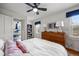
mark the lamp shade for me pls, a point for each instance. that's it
(58, 24)
(61, 23)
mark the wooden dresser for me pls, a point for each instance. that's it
(58, 37)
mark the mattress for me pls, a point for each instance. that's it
(40, 47)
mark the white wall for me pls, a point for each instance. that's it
(1, 27)
(12, 14)
(6, 27)
(24, 29)
(59, 16)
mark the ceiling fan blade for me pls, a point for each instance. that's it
(29, 5)
(38, 4)
(29, 10)
(35, 5)
(43, 9)
(37, 13)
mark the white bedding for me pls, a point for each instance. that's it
(40, 47)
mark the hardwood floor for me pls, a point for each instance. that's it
(72, 52)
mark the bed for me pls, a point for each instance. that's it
(40, 47)
(31, 47)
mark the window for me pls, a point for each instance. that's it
(74, 21)
(75, 25)
(37, 27)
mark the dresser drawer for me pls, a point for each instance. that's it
(54, 37)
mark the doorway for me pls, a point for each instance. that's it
(37, 29)
(16, 29)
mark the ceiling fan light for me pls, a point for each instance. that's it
(35, 9)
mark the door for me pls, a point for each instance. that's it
(2, 26)
(17, 30)
(8, 27)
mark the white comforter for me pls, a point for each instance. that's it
(40, 47)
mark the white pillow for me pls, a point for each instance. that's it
(1, 53)
(1, 44)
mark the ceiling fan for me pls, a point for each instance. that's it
(35, 7)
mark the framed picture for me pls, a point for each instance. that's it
(52, 25)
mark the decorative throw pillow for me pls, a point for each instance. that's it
(21, 46)
(11, 49)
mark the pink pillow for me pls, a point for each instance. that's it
(21, 46)
(11, 49)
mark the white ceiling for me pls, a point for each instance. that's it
(21, 8)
